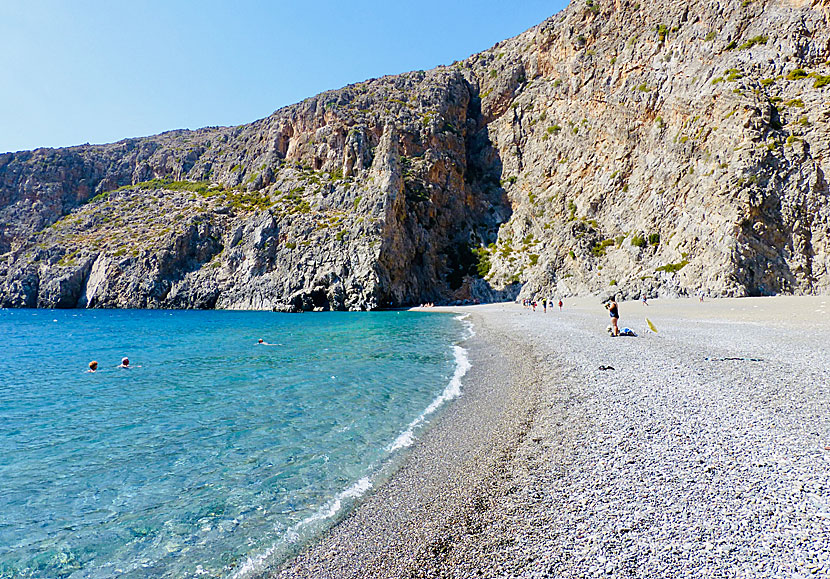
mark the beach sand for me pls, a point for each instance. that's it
(704, 452)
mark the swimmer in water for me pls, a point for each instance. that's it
(93, 366)
(125, 363)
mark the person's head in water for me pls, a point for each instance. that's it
(125, 363)
(93, 366)
(260, 341)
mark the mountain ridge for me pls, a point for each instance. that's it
(617, 147)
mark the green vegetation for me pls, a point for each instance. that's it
(248, 201)
(760, 39)
(733, 74)
(662, 31)
(482, 261)
(821, 80)
(100, 197)
(673, 267)
(711, 36)
(68, 259)
(643, 88)
(534, 259)
(732, 45)
(200, 187)
(654, 239)
(795, 103)
(797, 74)
(571, 211)
(717, 80)
(599, 249)
(292, 202)
(571, 254)
(554, 129)
(638, 241)
(238, 199)
(767, 81)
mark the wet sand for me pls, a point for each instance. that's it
(705, 451)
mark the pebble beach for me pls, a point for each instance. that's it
(701, 450)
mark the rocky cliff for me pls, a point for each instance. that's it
(657, 148)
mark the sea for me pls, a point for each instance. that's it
(213, 455)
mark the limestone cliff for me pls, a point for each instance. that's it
(661, 148)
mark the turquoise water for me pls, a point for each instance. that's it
(213, 456)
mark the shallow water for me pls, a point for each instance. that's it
(213, 455)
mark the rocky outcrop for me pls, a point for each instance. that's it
(657, 148)
(360, 198)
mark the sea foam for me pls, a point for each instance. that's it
(453, 390)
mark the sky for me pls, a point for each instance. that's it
(95, 71)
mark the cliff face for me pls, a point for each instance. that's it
(655, 147)
(670, 148)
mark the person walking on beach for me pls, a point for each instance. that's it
(560, 305)
(614, 311)
(544, 305)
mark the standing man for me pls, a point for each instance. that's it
(614, 311)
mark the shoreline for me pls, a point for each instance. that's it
(547, 465)
(443, 483)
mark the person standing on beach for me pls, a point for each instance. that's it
(614, 311)
(560, 305)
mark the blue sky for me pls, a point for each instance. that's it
(98, 71)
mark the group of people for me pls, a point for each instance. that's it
(125, 364)
(528, 303)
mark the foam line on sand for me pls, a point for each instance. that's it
(704, 452)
